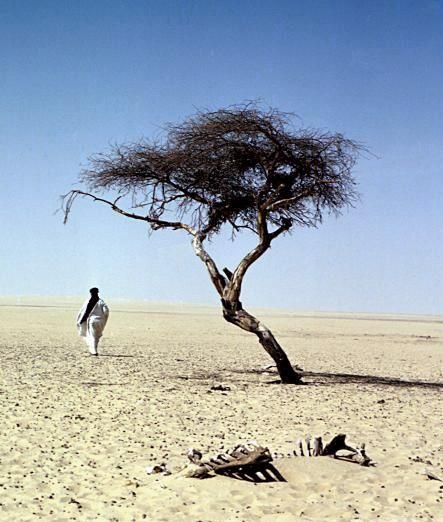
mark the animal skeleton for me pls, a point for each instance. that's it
(250, 458)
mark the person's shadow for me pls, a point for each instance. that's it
(115, 355)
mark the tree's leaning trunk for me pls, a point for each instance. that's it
(229, 290)
(234, 313)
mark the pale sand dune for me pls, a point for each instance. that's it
(77, 432)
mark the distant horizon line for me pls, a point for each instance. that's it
(296, 311)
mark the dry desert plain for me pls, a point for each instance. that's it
(77, 432)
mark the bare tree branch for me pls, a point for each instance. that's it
(69, 198)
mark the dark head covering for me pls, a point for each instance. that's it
(92, 302)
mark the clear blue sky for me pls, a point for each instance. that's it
(77, 76)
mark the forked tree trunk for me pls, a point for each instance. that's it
(234, 313)
(229, 289)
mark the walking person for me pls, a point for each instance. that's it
(91, 320)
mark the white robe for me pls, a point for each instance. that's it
(92, 328)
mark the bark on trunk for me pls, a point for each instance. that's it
(234, 313)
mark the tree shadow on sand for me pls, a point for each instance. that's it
(328, 379)
(313, 378)
(323, 378)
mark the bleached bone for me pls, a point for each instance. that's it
(308, 445)
(241, 449)
(244, 456)
(317, 447)
(360, 456)
(157, 468)
(194, 455)
(299, 444)
(254, 458)
(279, 455)
(244, 448)
(195, 471)
(337, 444)
(221, 458)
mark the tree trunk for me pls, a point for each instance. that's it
(229, 289)
(234, 313)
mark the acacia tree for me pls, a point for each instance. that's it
(242, 167)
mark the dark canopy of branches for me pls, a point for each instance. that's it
(236, 166)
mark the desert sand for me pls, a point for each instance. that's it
(78, 432)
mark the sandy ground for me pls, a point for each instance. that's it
(78, 432)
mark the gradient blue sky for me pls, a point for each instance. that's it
(77, 76)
